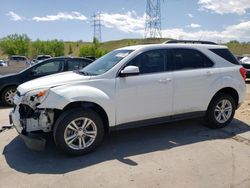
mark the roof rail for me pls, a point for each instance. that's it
(189, 41)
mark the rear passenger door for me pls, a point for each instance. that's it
(193, 74)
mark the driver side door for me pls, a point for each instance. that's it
(148, 95)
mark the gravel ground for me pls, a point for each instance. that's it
(182, 154)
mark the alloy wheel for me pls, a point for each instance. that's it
(80, 133)
(223, 111)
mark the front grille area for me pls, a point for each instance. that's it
(26, 111)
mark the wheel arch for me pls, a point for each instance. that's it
(227, 90)
(87, 105)
(6, 86)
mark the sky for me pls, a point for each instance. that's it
(71, 20)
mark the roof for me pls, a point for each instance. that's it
(67, 57)
(173, 45)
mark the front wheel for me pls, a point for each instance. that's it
(220, 111)
(78, 132)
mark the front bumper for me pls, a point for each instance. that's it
(33, 142)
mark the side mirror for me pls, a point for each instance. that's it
(129, 71)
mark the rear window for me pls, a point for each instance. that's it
(225, 54)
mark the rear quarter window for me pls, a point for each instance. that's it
(226, 54)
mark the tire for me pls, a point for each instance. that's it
(7, 96)
(69, 127)
(214, 115)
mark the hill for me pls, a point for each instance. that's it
(73, 48)
(234, 46)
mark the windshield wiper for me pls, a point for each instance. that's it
(83, 72)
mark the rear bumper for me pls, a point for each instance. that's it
(33, 142)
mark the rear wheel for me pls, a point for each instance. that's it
(8, 96)
(220, 111)
(78, 132)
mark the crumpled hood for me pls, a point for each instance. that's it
(52, 81)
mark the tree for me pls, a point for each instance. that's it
(92, 50)
(53, 48)
(70, 49)
(16, 44)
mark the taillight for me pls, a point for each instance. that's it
(243, 73)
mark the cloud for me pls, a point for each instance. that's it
(233, 32)
(194, 25)
(225, 6)
(128, 22)
(15, 17)
(61, 16)
(190, 15)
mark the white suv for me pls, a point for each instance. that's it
(131, 86)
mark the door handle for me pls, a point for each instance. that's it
(165, 80)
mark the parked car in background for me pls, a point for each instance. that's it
(239, 57)
(42, 57)
(245, 62)
(16, 60)
(15, 64)
(3, 63)
(9, 83)
(128, 87)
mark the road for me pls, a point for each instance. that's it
(182, 154)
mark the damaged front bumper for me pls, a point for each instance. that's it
(32, 141)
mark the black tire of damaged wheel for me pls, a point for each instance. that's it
(65, 119)
(210, 120)
(5, 103)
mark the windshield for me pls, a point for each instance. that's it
(106, 62)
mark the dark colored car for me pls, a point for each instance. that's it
(9, 83)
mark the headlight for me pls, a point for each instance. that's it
(37, 95)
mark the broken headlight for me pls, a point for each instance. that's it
(36, 96)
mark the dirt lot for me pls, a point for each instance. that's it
(181, 154)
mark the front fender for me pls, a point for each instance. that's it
(60, 97)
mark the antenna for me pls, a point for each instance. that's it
(97, 24)
(153, 19)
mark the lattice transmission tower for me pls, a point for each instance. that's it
(97, 25)
(153, 19)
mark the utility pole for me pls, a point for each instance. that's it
(97, 24)
(153, 19)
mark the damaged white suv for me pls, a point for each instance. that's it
(136, 85)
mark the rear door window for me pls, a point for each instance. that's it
(185, 59)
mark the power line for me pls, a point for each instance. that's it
(153, 19)
(97, 25)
